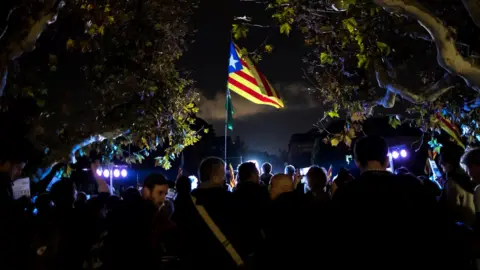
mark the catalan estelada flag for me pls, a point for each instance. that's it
(431, 155)
(232, 179)
(245, 80)
(450, 128)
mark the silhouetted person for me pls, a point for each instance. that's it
(81, 199)
(470, 162)
(131, 195)
(266, 174)
(135, 225)
(458, 190)
(251, 200)
(285, 217)
(317, 182)
(204, 249)
(341, 180)
(290, 171)
(389, 212)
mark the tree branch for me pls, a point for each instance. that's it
(429, 93)
(248, 21)
(19, 45)
(448, 56)
(473, 8)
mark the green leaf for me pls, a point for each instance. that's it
(205, 130)
(268, 48)
(350, 24)
(333, 114)
(334, 141)
(362, 61)
(239, 31)
(383, 48)
(285, 29)
(394, 122)
(326, 58)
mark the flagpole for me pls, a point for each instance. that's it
(226, 127)
(227, 95)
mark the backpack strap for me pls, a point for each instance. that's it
(218, 233)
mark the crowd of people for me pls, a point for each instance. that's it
(377, 220)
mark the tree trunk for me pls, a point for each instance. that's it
(448, 56)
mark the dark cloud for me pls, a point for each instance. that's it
(264, 127)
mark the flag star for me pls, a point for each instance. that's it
(233, 62)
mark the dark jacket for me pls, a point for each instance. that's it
(204, 251)
(388, 213)
(284, 230)
(265, 178)
(251, 202)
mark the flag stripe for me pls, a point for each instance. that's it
(451, 129)
(271, 87)
(248, 84)
(448, 125)
(245, 80)
(264, 82)
(247, 77)
(248, 97)
(251, 95)
(262, 99)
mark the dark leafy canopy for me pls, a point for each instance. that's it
(103, 69)
(365, 54)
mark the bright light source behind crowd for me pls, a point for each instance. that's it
(123, 173)
(403, 153)
(193, 182)
(106, 173)
(99, 172)
(116, 173)
(395, 154)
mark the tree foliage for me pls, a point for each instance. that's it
(419, 56)
(103, 72)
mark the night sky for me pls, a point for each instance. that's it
(262, 127)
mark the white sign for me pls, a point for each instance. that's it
(21, 187)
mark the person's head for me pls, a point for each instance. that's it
(316, 178)
(470, 162)
(43, 203)
(155, 188)
(183, 185)
(248, 172)
(266, 168)
(450, 158)
(63, 193)
(212, 170)
(371, 153)
(81, 197)
(290, 171)
(340, 180)
(12, 161)
(280, 183)
(131, 195)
